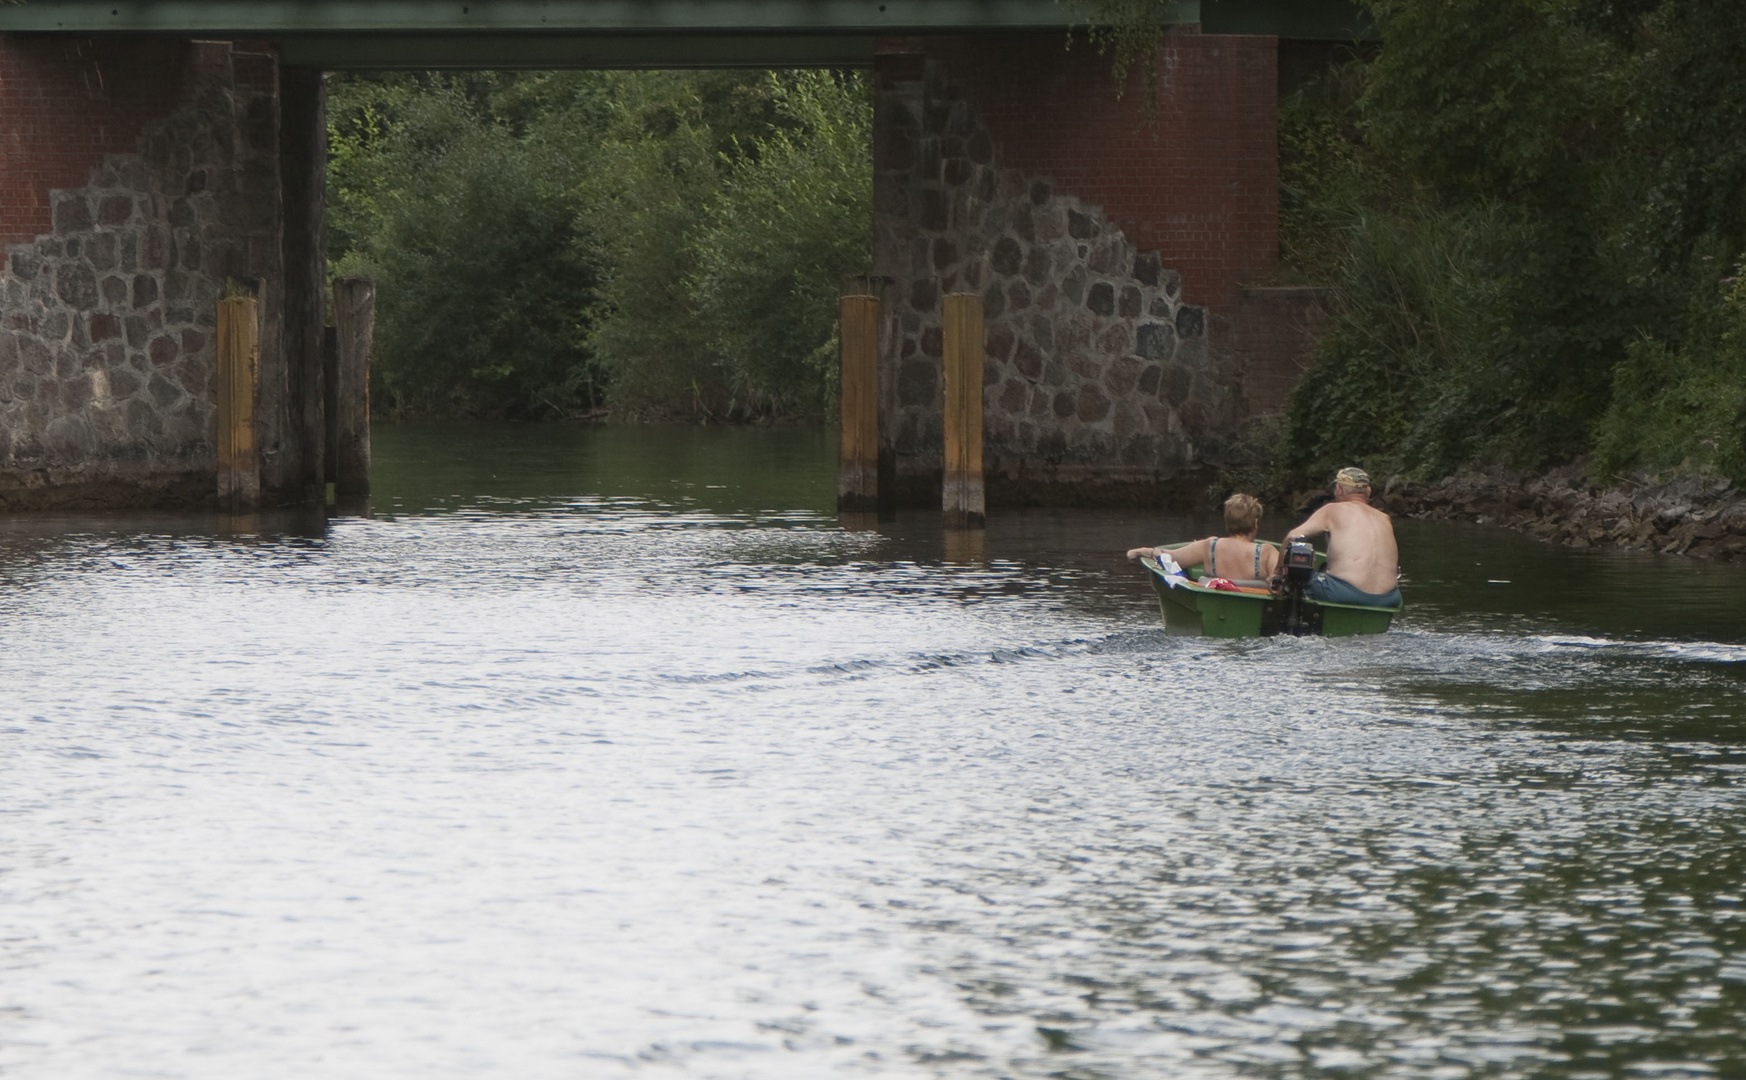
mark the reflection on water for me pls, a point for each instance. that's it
(610, 753)
(743, 473)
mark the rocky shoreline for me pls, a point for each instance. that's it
(1701, 517)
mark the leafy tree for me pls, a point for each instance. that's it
(1490, 99)
(1684, 118)
(656, 243)
(661, 163)
(1522, 207)
(731, 207)
(469, 228)
(791, 220)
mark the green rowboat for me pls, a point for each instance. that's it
(1191, 609)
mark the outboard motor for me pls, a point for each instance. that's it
(1300, 566)
(1300, 563)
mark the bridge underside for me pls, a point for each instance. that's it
(150, 161)
(1333, 20)
(374, 35)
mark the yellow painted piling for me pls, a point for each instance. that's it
(961, 494)
(239, 354)
(858, 462)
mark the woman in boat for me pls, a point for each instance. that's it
(1237, 556)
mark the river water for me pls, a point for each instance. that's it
(610, 753)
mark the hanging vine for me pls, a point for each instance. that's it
(1128, 31)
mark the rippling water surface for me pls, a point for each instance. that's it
(611, 753)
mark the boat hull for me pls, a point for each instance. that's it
(1192, 610)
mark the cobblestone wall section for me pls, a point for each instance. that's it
(1096, 371)
(106, 322)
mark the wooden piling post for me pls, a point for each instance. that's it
(239, 467)
(354, 316)
(329, 402)
(961, 493)
(858, 340)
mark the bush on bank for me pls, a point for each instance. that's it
(571, 243)
(1523, 209)
(790, 222)
(1674, 404)
(468, 221)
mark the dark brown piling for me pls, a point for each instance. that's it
(329, 404)
(858, 339)
(354, 316)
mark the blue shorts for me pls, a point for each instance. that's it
(1329, 589)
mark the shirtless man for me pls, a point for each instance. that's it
(1363, 561)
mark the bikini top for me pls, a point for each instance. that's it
(1212, 558)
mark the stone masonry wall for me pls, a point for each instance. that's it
(1098, 384)
(106, 321)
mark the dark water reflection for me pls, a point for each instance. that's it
(609, 752)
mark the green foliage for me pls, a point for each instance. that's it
(1129, 32)
(655, 243)
(1686, 114)
(731, 207)
(1489, 99)
(671, 143)
(1513, 206)
(790, 222)
(1682, 407)
(1325, 169)
(1418, 309)
(469, 228)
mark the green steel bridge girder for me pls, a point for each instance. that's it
(377, 34)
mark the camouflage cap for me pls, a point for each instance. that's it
(1352, 477)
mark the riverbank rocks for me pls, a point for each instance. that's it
(1703, 517)
(1096, 373)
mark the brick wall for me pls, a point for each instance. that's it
(1200, 185)
(67, 102)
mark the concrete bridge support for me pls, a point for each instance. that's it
(139, 178)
